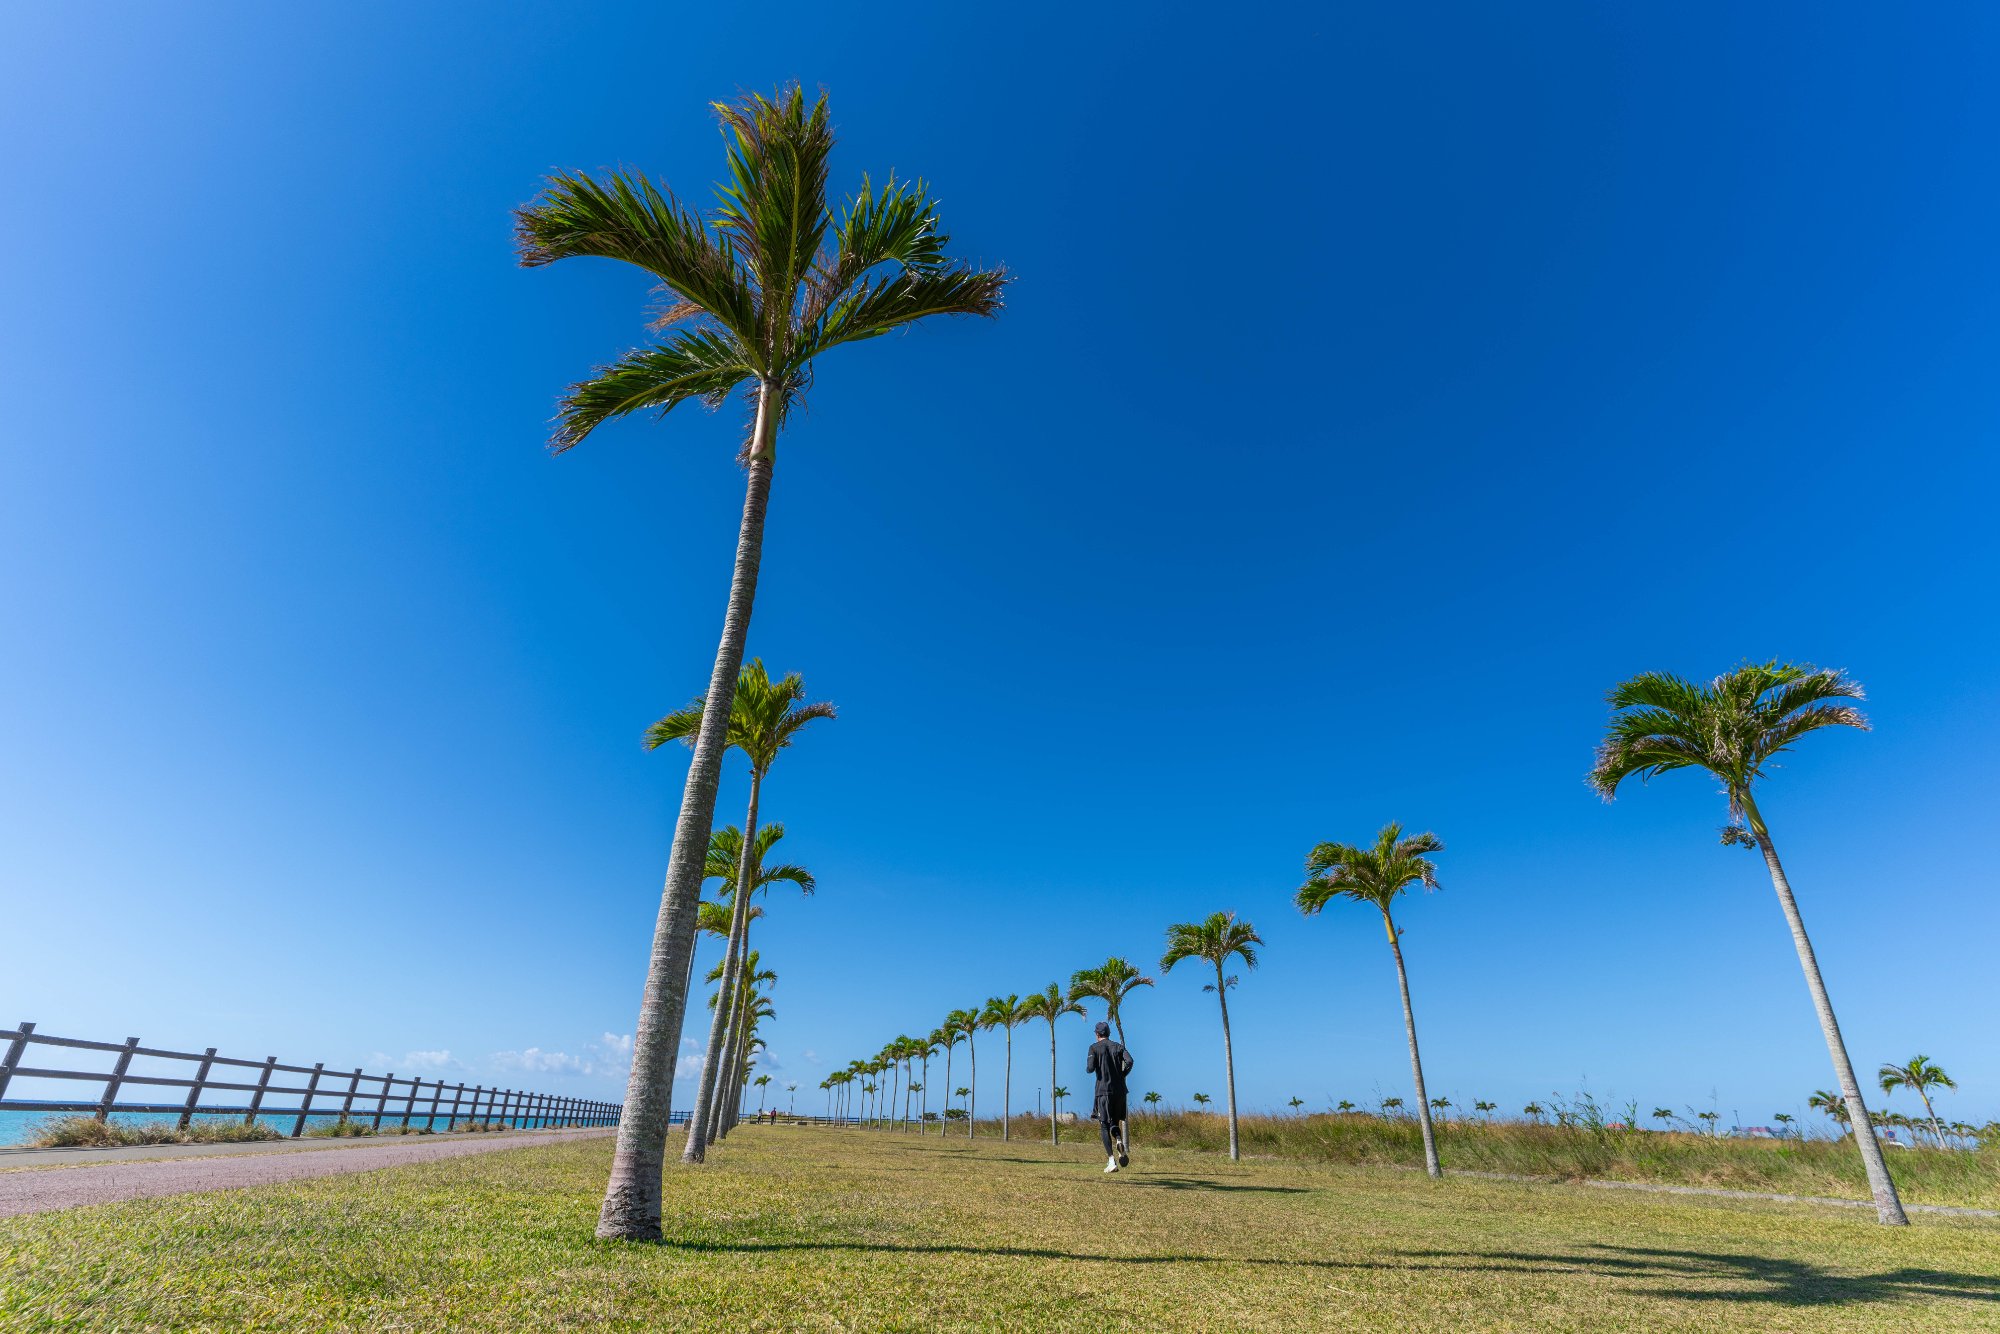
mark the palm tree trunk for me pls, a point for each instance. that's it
(631, 1209)
(1932, 1114)
(701, 1127)
(1431, 1164)
(947, 1091)
(1888, 1205)
(971, 1086)
(1007, 1089)
(724, 1115)
(1228, 1061)
(1055, 1135)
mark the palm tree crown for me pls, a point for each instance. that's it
(774, 277)
(1111, 982)
(1732, 727)
(725, 861)
(765, 717)
(1215, 939)
(1369, 875)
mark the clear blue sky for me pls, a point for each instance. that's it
(1380, 386)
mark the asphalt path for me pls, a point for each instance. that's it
(33, 1192)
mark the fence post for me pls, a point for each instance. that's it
(305, 1103)
(194, 1094)
(347, 1104)
(117, 1077)
(437, 1100)
(13, 1058)
(410, 1103)
(382, 1100)
(472, 1109)
(257, 1097)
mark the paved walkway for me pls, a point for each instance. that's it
(140, 1173)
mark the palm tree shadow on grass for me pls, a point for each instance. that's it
(1781, 1282)
(1785, 1282)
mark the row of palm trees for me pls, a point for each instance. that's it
(1731, 727)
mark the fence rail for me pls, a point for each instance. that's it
(351, 1095)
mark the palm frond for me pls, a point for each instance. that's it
(773, 207)
(627, 217)
(699, 364)
(881, 305)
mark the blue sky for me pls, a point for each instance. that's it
(1379, 387)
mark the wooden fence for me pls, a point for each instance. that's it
(349, 1095)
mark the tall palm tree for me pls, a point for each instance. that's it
(1051, 1005)
(755, 293)
(731, 861)
(761, 1081)
(1733, 727)
(967, 1023)
(1111, 982)
(1377, 875)
(765, 718)
(1216, 939)
(1920, 1076)
(728, 860)
(926, 1049)
(1003, 1012)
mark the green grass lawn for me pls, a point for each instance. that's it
(796, 1228)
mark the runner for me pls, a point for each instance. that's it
(1110, 1062)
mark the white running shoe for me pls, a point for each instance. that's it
(1112, 1165)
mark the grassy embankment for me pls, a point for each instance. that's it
(1577, 1151)
(805, 1228)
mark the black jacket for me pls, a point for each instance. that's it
(1110, 1062)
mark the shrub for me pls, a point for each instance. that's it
(87, 1132)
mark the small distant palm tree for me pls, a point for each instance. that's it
(1784, 1120)
(1051, 1004)
(1712, 1120)
(1485, 1108)
(1391, 1105)
(1733, 727)
(1441, 1106)
(760, 1081)
(962, 1024)
(1346, 1106)
(1060, 1093)
(1663, 1114)
(1151, 1099)
(969, 1023)
(1201, 1100)
(1215, 940)
(1296, 1103)
(776, 278)
(1831, 1104)
(1920, 1076)
(1111, 982)
(1004, 1012)
(1376, 875)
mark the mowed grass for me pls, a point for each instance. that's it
(792, 1228)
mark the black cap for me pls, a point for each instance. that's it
(1103, 1029)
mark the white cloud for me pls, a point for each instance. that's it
(537, 1061)
(812, 1057)
(429, 1060)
